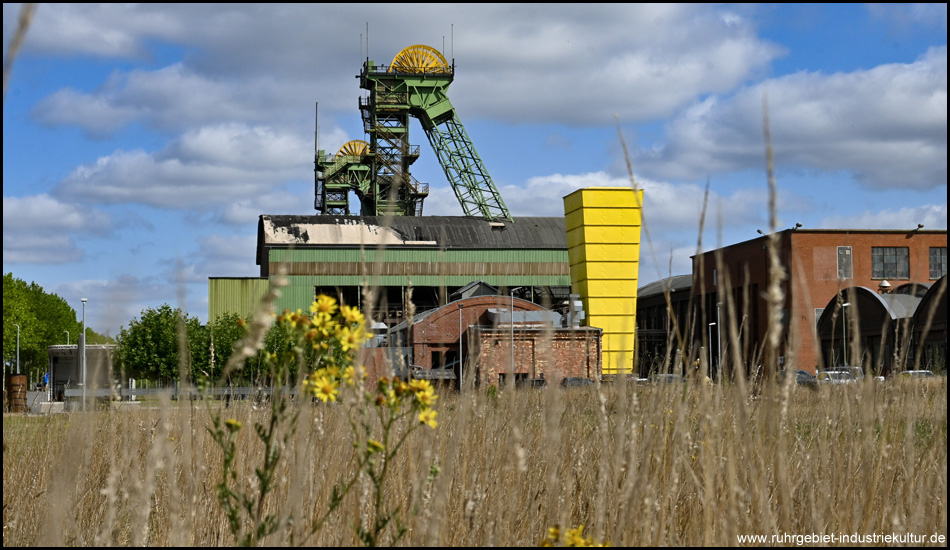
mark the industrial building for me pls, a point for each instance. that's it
(499, 339)
(729, 288)
(396, 265)
(663, 309)
(885, 331)
(65, 368)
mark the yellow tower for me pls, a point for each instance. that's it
(603, 242)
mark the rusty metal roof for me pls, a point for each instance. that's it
(446, 232)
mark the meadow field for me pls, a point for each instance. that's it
(668, 465)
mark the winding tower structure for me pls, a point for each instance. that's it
(415, 85)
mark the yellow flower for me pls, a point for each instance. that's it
(349, 376)
(373, 446)
(350, 338)
(575, 537)
(322, 387)
(426, 399)
(421, 386)
(428, 417)
(352, 315)
(332, 371)
(554, 535)
(232, 424)
(324, 306)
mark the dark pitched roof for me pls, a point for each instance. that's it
(442, 231)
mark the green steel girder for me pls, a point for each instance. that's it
(394, 96)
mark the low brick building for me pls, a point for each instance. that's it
(529, 353)
(480, 337)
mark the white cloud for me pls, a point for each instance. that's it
(886, 126)
(267, 64)
(933, 216)
(217, 256)
(41, 229)
(113, 303)
(206, 167)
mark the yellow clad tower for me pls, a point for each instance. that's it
(603, 245)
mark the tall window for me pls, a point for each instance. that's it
(890, 262)
(938, 262)
(844, 262)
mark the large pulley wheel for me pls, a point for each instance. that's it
(354, 148)
(419, 59)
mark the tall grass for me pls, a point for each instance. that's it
(697, 464)
(691, 465)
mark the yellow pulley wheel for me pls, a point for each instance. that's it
(419, 59)
(354, 148)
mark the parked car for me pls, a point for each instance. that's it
(836, 377)
(666, 378)
(802, 377)
(915, 374)
(856, 372)
(576, 382)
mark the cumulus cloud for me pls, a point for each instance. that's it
(933, 216)
(41, 229)
(113, 303)
(216, 256)
(885, 126)
(209, 166)
(176, 98)
(584, 69)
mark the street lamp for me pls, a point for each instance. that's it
(17, 348)
(83, 340)
(718, 338)
(67, 337)
(844, 331)
(512, 320)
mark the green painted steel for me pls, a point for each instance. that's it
(419, 255)
(239, 295)
(412, 87)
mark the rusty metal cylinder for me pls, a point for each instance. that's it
(16, 393)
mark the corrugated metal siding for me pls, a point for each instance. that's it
(239, 295)
(457, 281)
(417, 255)
(297, 295)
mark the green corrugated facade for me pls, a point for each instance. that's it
(434, 255)
(241, 295)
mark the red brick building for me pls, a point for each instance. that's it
(730, 284)
(479, 330)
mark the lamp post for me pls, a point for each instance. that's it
(718, 338)
(844, 331)
(512, 319)
(17, 348)
(711, 325)
(67, 337)
(83, 340)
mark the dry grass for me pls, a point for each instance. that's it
(637, 466)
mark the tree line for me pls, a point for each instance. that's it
(160, 345)
(44, 319)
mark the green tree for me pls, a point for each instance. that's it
(17, 311)
(227, 330)
(150, 347)
(44, 319)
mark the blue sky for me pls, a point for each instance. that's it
(142, 142)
